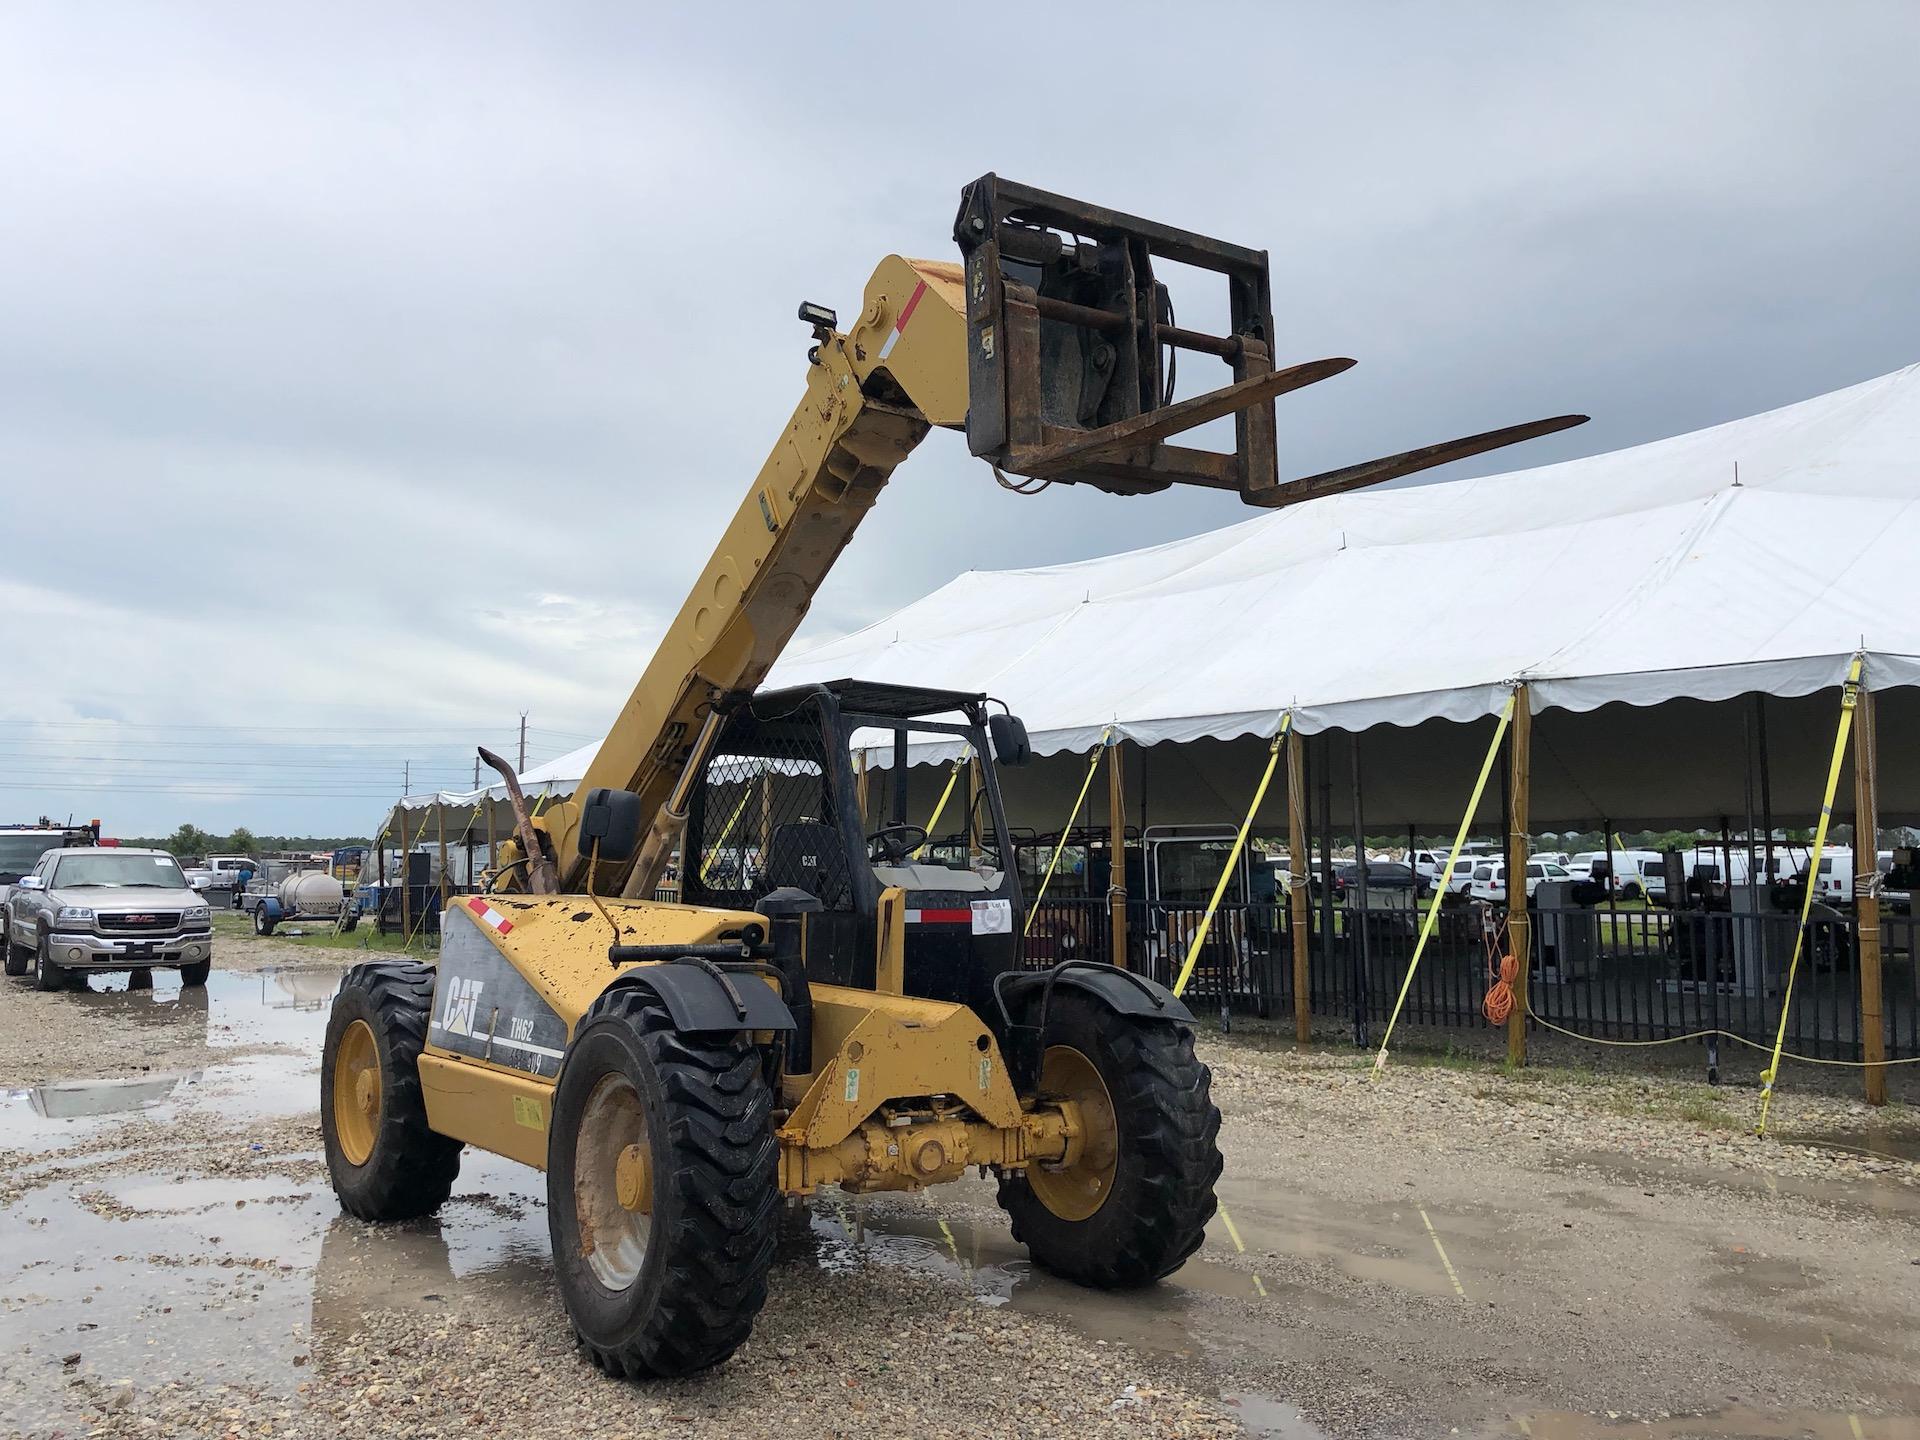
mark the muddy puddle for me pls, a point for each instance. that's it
(117, 1272)
(150, 1279)
(1875, 1142)
(272, 1020)
(1872, 1195)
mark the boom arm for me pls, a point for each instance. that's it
(1052, 347)
(872, 394)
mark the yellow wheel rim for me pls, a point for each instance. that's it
(1078, 1185)
(356, 1092)
(613, 1182)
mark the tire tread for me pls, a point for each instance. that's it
(412, 1169)
(724, 1171)
(1171, 1129)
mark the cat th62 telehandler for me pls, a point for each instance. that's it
(830, 1001)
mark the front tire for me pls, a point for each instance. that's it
(46, 974)
(386, 1162)
(196, 973)
(662, 1189)
(1132, 1202)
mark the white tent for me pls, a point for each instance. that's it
(1753, 557)
(556, 778)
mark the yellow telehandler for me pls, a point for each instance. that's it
(829, 1000)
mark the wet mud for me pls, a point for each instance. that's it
(172, 1231)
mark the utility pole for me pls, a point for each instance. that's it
(522, 767)
(476, 772)
(406, 777)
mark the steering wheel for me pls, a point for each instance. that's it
(892, 844)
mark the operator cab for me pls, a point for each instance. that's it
(781, 807)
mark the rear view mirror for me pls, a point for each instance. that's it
(611, 818)
(1009, 736)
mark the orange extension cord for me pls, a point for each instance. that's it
(1502, 970)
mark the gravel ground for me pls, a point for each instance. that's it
(1449, 1248)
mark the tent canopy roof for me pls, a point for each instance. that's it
(1752, 556)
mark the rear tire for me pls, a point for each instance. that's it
(1136, 1205)
(662, 1189)
(385, 1160)
(19, 957)
(46, 974)
(196, 973)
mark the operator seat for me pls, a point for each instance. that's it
(808, 855)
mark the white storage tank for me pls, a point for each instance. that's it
(311, 893)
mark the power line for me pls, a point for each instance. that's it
(289, 729)
(210, 792)
(194, 763)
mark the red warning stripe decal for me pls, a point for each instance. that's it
(489, 916)
(906, 310)
(906, 314)
(962, 916)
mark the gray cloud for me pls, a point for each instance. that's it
(351, 333)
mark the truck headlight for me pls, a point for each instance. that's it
(75, 912)
(194, 912)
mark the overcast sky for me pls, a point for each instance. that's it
(370, 374)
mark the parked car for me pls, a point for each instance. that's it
(1384, 877)
(1636, 873)
(97, 908)
(1833, 877)
(1489, 881)
(1462, 876)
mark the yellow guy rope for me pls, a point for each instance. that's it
(941, 808)
(1446, 876)
(1849, 697)
(746, 793)
(1093, 763)
(1233, 857)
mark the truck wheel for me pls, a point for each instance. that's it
(46, 974)
(386, 1161)
(195, 974)
(19, 957)
(662, 1189)
(1132, 1201)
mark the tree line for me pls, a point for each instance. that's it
(190, 840)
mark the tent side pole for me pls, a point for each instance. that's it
(1866, 853)
(441, 831)
(1362, 954)
(1297, 896)
(1326, 852)
(1520, 739)
(1766, 778)
(406, 886)
(1117, 854)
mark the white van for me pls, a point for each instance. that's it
(1635, 872)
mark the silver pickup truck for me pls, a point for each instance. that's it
(106, 908)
